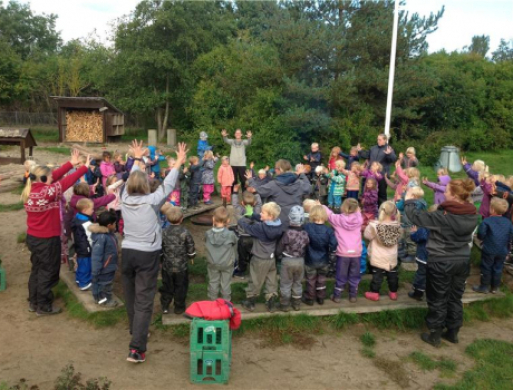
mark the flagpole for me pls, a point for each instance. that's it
(391, 73)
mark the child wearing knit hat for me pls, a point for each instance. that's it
(292, 248)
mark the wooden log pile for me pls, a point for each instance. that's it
(84, 126)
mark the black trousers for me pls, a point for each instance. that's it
(140, 271)
(244, 246)
(44, 275)
(382, 191)
(174, 285)
(379, 274)
(240, 172)
(194, 190)
(445, 285)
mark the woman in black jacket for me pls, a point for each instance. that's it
(451, 230)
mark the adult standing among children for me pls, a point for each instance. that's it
(41, 197)
(287, 189)
(238, 154)
(383, 154)
(142, 246)
(451, 230)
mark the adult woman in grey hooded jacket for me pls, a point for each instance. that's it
(142, 245)
(238, 154)
(287, 189)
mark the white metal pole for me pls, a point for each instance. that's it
(391, 74)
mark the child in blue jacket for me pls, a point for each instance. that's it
(156, 158)
(104, 258)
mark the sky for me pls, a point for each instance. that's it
(462, 19)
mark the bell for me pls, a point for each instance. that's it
(450, 159)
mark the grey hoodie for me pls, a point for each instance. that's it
(141, 215)
(287, 190)
(221, 245)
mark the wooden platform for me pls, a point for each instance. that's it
(203, 208)
(84, 297)
(330, 308)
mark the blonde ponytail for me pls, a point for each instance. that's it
(389, 209)
(35, 172)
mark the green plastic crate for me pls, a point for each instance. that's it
(210, 367)
(210, 336)
(3, 282)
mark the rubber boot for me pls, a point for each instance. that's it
(285, 306)
(271, 304)
(433, 337)
(416, 294)
(392, 296)
(307, 301)
(372, 296)
(249, 304)
(296, 304)
(451, 335)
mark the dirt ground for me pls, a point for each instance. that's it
(36, 349)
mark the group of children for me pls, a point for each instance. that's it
(343, 194)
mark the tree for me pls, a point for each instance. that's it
(480, 45)
(504, 52)
(155, 49)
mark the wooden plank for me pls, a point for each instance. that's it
(330, 308)
(203, 208)
(84, 297)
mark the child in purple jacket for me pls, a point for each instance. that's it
(439, 188)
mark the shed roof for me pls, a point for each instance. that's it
(10, 133)
(84, 102)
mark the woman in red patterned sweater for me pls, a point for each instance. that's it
(41, 197)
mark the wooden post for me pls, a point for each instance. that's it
(171, 137)
(22, 146)
(152, 137)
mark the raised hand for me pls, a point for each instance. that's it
(224, 133)
(251, 165)
(181, 155)
(413, 229)
(74, 157)
(138, 149)
(248, 175)
(401, 156)
(249, 134)
(388, 150)
(305, 158)
(463, 160)
(398, 163)
(425, 180)
(88, 161)
(358, 147)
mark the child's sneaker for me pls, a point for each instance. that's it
(393, 296)
(249, 304)
(32, 307)
(371, 296)
(480, 289)
(49, 311)
(134, 356)
(165, 310)
(494, 289)
(111, 303)
(352, 299)
(179, 310)
(86, 288)
(335, 298)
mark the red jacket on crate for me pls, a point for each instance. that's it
(215, 310)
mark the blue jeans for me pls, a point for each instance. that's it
(491, 269)
(352, 194)
(83, 276)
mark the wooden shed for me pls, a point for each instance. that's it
(21, 137)
(88, 119)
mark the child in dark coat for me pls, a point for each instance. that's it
(177, 249)
(292, 247)
(262, 268)
(496, 233)
(104, 257)
(322, 243)
(82, 239)
(195, 176)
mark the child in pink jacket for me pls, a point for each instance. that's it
(107, 168)
(383, 236)
(347, 226)
(225, 178)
